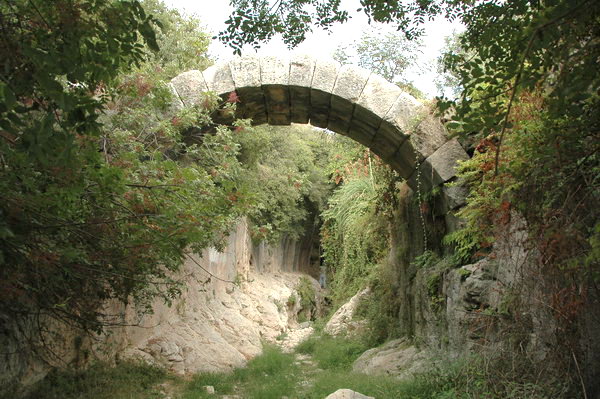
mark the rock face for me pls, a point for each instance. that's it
(215, 330)
(342, 322)
(228, 307)
(232, 301)
(347, 394)
(396, 358)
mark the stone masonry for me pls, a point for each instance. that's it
(344, 99)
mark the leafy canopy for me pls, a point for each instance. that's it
(99, 195)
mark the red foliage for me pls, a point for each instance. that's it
(233, 98)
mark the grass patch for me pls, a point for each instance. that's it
(379, 387)
(332, 353)
(269, 376)
(128, 380)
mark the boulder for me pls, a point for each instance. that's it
(342, 322)
(347, 394)
(397, 358)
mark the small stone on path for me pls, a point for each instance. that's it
(209, 389)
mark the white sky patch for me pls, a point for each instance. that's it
(320, 43)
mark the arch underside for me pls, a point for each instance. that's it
(344, 99)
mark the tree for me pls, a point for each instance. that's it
(100, 198)
(385, 53)
(255, 21)
(447, 81)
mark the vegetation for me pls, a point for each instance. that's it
(103, 381)
(98, 201)
(388, 54)
(102, 191)
(354, 232)
(285, 166)
(275, 374)
(105, 186)
(332, 353)
(270, 376)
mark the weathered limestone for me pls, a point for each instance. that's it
(219, 80)
(444, 159)
(219, 321)
(300, 81)
(348, 87)
(440, 166)
(322, 85)
(245, 72)
(455, 196)
(342, 321)
(274, 76)
(189, 87)
(375, 101)
(397, 358)
(347, 394)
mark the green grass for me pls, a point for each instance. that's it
(332, 353)
(128, 380)
(275, 374)
(269, 376)
(380, 387)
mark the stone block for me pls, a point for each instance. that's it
(348, 394)
(430, 134)
(251, 103)
(252, 108)
(340, 115)
(350, 83)
(325, 75)
(360, 136)
(274, 71)
(245, 72)
(359, 130)
(444, 160)
(274, 75)
(322, 84)
(302, 68)
(299, 104)
(366, 117)
(379, 95)
(338, 123)
(190, 87)
(455, 195)
(177, 103)
(403, 160)
(387, 144)
(219, 80)
(401, 115)
(319, 117)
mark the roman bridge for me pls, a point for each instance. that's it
(344, 99)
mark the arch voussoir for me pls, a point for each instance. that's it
(245, 72)
(349, 85)
(219, 80)
(274, 76)
(302, 69)
(323, 81)
(189, 87)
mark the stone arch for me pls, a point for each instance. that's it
(344, 99)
